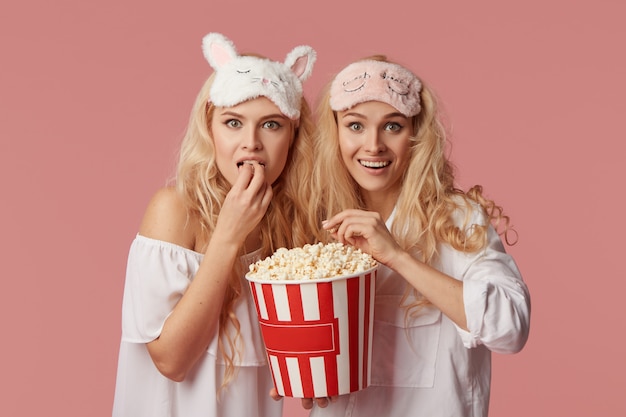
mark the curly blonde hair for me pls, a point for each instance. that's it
(287, 222)
(429, 197)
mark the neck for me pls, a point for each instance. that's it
(383, 204)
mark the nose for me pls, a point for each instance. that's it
(374, 142)
(251, 139)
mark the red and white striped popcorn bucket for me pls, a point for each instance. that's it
(317, 333)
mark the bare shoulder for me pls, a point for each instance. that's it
(167, 218)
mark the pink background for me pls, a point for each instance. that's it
(94, 97)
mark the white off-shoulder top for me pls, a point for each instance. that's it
(158, 273)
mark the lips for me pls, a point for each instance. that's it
(374, 164)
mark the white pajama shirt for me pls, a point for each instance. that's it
(427, 366)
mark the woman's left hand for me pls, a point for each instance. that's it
(367, 231)
(307, 403)
(364, 230)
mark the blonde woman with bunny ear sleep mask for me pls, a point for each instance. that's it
(190, 344)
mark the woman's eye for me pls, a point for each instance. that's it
(233, 123)
(355, 127)
(271, 125)
(393, 127)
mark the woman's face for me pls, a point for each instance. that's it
(374, 139)
(254, 131)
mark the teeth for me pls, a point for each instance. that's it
(378, 164)
(250, 162)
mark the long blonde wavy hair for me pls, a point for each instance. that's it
(429, 196)
(287, 222)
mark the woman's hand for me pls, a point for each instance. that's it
(323, 402)
(307, 403)
(364, 230)
(367, 231)
(246, 202)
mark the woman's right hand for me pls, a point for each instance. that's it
(193, 322)
(246, 202)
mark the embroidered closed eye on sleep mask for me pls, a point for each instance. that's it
(241, 78)
(371, 80)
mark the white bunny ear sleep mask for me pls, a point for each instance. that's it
(241, 78)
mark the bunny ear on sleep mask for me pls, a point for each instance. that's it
(240, 78)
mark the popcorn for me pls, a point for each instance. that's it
(310, 262)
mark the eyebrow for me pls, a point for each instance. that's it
(386, 116)
(269, 116)
(230, 113)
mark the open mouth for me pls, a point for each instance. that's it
(240, 164)
(375, 164)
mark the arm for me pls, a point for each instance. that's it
(193, 322)
(367, 231)
(488, 302)
(445, 292)
(497, 300)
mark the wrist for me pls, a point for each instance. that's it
(399, 260)
(224, 244)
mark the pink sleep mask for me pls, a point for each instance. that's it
(371, 80)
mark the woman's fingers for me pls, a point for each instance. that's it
(251, 176)
(322, 402)
(364, 230)
(350, 225)
(275, 395)
(247, 201)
